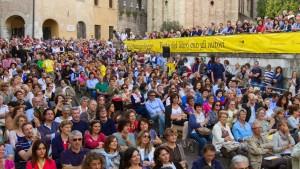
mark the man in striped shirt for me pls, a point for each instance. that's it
(24, 146)
(268, 76)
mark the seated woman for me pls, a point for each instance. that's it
(241, 129)
(174, 113)
(144, 125)
(296, 155)
(93, 161)
(208, 105)
(197, 126)
(278, 117)
(222, 134)
(213, 114)
(7, 158)
(94, 138)
(124, 137)
(60, 142)
(131, 116)
(293, 120)
(190, 108)
(177, 151)
(283, 142)
(232, 112)
(65, 114)
(17, 134)
(146, 149)
(131, 159)
(111, 152)
(163, 159)
(138, 101)
(39, 158)
(266, 125)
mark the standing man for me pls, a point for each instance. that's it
(255, 74)
(218, 71)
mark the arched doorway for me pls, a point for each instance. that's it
(81, 30)
(16, 26)
(50, 29)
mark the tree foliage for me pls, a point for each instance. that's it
(168, 25)
(275, 7)
(261, 8)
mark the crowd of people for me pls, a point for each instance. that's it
(85, 104)
(285, 22)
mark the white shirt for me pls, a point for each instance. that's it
(177, 111)
(3, 111)
(59, 119)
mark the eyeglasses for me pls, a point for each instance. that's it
(218, 105)
(77, 139)
(146, 136)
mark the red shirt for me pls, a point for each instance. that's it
(49, 164)
(91, 143)
(134, 127)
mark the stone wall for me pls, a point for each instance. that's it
(192, 13)
(66, 14)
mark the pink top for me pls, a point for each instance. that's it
(91, 143)
(82, 79)
(206, 108)
(7, 62)
(9, 164)
(49, 164)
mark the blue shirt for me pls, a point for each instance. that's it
(91, 83)
(30, 114)
(155, 107)
(68, 157)
(240, 131)
(201, 163)
(25, 145)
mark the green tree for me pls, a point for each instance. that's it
(275, 7)
(168, 25)
(261, 8)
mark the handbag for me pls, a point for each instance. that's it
(204, 131)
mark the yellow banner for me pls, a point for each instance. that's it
(246, 43)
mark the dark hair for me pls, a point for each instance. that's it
(209, 147)
(92, 124)
(56, 98)
(189, 98)
(35, 147)
(14, 113)
(145, 121)
(25, 124)
(197, 105)
(285, 106)
(218, 91)
(122, 123)
(151, 92)
(90, 157)
(45, 113)
(157, 152)
(214, 105)
(173, 96)
(127, 157)
(107, 142)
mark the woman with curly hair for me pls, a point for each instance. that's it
(93, 161)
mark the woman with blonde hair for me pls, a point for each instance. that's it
(146, 149)
(17, 133)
